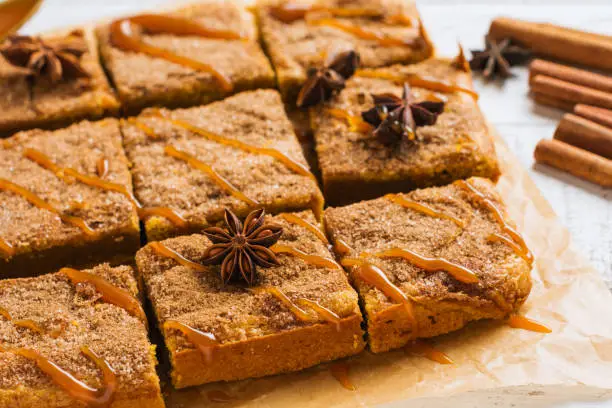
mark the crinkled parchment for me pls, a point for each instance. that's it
(494, 364)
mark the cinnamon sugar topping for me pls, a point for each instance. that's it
(163, 250)
(422, 208)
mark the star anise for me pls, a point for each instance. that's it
(498, 57)
(396, 118)
(322, 83)
(55, 60)
(242, 247)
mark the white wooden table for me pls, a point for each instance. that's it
(584, 208)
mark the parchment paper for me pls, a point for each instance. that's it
(495, 365)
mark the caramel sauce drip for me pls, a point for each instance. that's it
(163, 250)
(109, 292)
(522, 322)
(317, 206)
(462, 274)
(428, 351)
(267, 151)
(216, 177)
(42, 204)
(374, 276)
(204, 342)
(66, 174)
(290, 12)
(495, 237)
(322, 311)
(77, 389)
(5, 313)
(433, 84)
(341, 247)
(14, 14)
(499, 217)
(298, 312)
(294, 219)
(422, 208)
(102, 167)
(6, 248)
(26, 323)
(340, 371)
(126, 37)
(315, 260)
(149, 131)
(356, 123)
(364, 34)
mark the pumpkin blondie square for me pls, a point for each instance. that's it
(430, 261)
(276, 302)
(76, 338)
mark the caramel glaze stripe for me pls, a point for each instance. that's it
(315, 260)
(355, 123)
(203, 341)
(124, 36)
(76, 388)
(495, 237)
(522, 322)
(26, 323)
(164, 251)
(422, 208)
(40, 203)
(110, 293)
(216, 177)
(428, 351)
(499, 217)
(289, 12)
(66, 173)
(267, 151)
(6, 248)
(340, 371)
(418, 81)
(294, 219)
(364, 34)
(322, 311)
(102, 167)
(462, 274)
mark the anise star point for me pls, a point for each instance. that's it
(242, 246)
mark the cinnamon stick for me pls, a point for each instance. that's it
(570, 92)
(552, 102)
(583, 133)
(570, 74)
(574, 160)
(597, 115)
(562, 43)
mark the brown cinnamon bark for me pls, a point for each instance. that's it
(552, 102)
(597, 115)
(570, 74)
(562, 43)
(583, 133)
(574, 160)
(570, 92)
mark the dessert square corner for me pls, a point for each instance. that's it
(430, 261)
(188, 70)
(298, 35)
(298, 314)
(63, 319)
(57, 206)
(239, 153)
(457, 146)
(34, 101)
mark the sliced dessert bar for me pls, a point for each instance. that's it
(399, 128)
(428, 262)
(239, 153)
(192, 56)
(52, 81)
(76, 339)
(298, 312)
(302, 35)
(65, 199)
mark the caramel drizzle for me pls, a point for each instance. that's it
(75, 388)
(341, 247)
(149, 131)
(422, 208)
(65, 174)
(323, 312)
(125, 37)
(6, 248)
(294, 219)
(428, 351)
(289, 13)
(300, 313)
(521, 246)
(204, 342)
(42, 204)
(356, 123)
(433, 84)
(110, 293)
(522, 322)
(457, 271)
(102, 167)
(163, 250)
(374, 276)
(340, 371)
(495, 237)
(216, 177)
(267, 151)
(315, 260)
(26, 323)
(362, 33)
